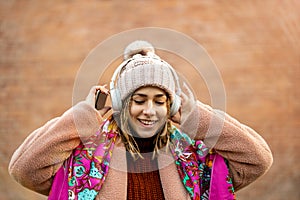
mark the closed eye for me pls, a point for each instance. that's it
(139, 102)
(160, 102)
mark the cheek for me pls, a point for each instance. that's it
(163, 111)
(134, 110)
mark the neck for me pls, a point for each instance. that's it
(145, 145)
(147, 163)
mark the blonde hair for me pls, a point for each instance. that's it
(162, 139)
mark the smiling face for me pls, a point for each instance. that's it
(148, 111)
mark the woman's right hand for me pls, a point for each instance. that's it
(91, 98)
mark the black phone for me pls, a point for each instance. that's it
(100, 100)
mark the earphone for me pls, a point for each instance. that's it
(116, 95)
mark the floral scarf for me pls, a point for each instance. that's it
(204, 173)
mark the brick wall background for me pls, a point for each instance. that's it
(255, 45)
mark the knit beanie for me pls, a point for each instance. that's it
(142, 67)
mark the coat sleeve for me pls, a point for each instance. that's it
(248, 154)
(43, 152)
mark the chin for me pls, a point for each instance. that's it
(143, 134)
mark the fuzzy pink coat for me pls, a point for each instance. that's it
(36, 161)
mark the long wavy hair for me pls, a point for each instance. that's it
(125, 131)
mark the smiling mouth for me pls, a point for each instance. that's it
(147, 122)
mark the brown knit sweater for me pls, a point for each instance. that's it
(143, 175)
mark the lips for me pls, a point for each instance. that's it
(147, 122)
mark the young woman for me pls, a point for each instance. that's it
(137, 152)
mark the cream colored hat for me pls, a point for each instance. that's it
(142, 67)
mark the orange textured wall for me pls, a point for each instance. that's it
(255, 45)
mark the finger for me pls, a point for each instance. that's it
(91, 97)
(103, 89)
(188, 91)
(184, 98)
(94, 89)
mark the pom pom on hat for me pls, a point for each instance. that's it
(138, 47)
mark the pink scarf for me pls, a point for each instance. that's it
(204, 174)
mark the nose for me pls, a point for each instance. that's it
(149, 109)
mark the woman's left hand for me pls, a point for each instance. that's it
(187, 105)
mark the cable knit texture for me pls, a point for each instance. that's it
(143, 174)
(145, 70)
